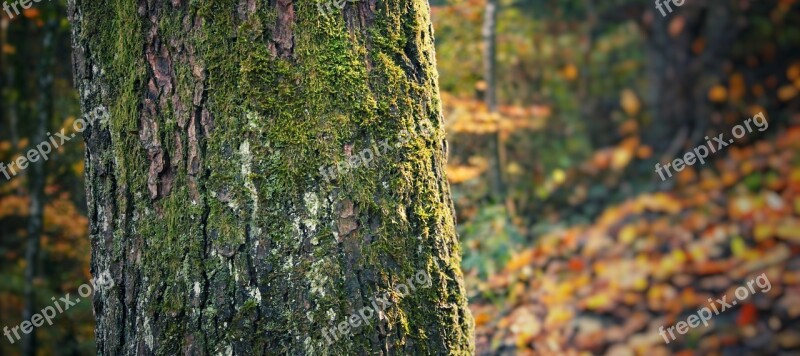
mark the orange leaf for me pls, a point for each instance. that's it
(630, 102)
(576, 264)
(787, 92)
(718, 94)
(747, 315)
(676, 26)
(31, 13)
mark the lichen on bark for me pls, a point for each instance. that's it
(206, 200)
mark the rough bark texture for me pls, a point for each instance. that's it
(206, 198)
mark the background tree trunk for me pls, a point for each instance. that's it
(496, 143)
(207, 200)
(36, 179)
(681, 112)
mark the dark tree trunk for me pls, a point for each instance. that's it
(36, 179)
(209, 198)
(680, 77)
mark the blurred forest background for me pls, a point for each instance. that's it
(557, 111)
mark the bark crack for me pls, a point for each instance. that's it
(282, 43)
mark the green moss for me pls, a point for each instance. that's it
(278, 121)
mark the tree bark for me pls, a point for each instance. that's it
(212, 199)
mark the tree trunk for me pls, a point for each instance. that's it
(220, 193)
(496, 143)
(36, 179)
(680, 78)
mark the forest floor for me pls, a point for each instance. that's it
(653, 260)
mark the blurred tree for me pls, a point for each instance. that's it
(496, 144)
(36, 179)
(43, 245)
(684, 53)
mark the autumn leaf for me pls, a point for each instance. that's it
(718, 94)
(31, 13)
(787, 92)
(747, 315)
(676, 25)
(630, 102)
(570, 72)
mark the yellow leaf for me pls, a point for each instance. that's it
(514, 169)
(787, 92)
(698, 253)
(738, 247)
(640, 285)
(627, 234)
(630, 102)
(679, 256)
(763, 232)
(789, 230)
(559, 176)
(558, 316)
(598, 301)
(718, 94)
(520, 260)
(570, 72)
(620, 158)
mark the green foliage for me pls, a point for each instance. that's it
(489, 240)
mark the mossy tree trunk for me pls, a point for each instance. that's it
(207, 200)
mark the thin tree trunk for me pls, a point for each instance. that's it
(595, 116)
(210, 196)
(36, 178)
(490, 53)
(490, 76)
